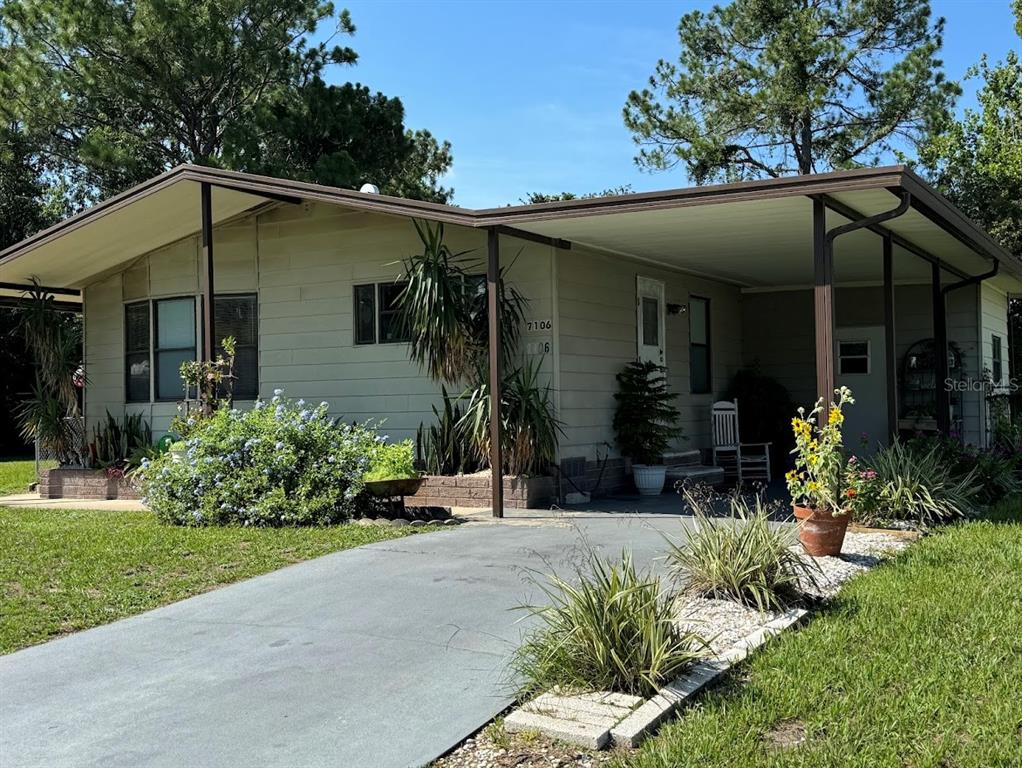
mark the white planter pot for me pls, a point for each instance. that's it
(649, 479)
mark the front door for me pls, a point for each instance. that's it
(650, 309)
(860, 363)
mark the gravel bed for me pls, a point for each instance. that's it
(720, 623)
(495, 748)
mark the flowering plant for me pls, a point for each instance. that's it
(818, 479)
(863, 491)
(282, 463)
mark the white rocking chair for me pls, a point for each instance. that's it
(741, 461)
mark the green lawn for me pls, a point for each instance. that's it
(62, 571)
(918, 664)
(15, 475)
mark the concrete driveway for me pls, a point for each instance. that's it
(386, 655)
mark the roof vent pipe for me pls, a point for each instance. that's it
(369, 189)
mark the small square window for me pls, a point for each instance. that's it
(853, 357)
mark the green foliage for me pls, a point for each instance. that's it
(976, 161)
(54, 342)
(543, 197)
(909, 483)
(611, 628)
(115, 443)
(818, 479)
(742, 558)
(529, 427)
(446, 447)
(279, 464)
(392, 461)
(444, 309)
(645, 419)
(772, 88)
(912, 664)
(123, 91)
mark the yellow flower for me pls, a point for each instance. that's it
(836, 417)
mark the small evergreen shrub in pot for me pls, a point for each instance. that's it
(280, 464)
(645, 422)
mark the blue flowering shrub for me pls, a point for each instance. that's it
(280, 464)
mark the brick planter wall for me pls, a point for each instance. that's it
(474, 491)
(90, 484)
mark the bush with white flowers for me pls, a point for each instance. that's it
(280, 464)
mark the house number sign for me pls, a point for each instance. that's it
(534, 326)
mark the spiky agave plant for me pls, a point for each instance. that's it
(742, 557)
(611, 627)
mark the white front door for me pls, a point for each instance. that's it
(860, 363)
(651, 314)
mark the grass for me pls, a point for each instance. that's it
(915, 665)
(15, 475)
(62, 571)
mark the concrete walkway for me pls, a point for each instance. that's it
(33, 500)
(386, 655)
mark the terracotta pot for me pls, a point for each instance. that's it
(820, 532)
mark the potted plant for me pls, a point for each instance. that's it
(645, 423)
(816, 483)
(392, 470)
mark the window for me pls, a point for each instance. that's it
(996, 361)
(365, 314)
(136, 352)
(650, 322)
(391, 323)
(699, 345)
(237, 316)
(174, 321)
(853, 357)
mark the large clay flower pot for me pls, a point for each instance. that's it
(649, 478)
(820, 532)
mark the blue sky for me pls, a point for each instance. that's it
(530, 93)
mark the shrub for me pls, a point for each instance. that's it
(764, 405)
(615, 630)
(742, 557)
(446, 447)
(279, 464)
(529, 427)
(911, 483)
(392, 461)
(645, 418)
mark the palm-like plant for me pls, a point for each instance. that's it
(55, 346)
(444, 309)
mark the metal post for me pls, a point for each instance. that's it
(823, 297)
(943, 399)
(493, 304)
(208, 329)
(890, 340)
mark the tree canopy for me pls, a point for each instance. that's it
(121, 90)
(544, 197)
(764, 88)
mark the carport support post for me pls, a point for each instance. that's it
(823, 299)
(943, 399)
(493, 309)
(889, 340)
(208, 329)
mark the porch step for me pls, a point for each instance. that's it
(684, 458)
(692, 474)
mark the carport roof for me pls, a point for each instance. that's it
(754, 234)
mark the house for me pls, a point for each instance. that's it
(854, 277)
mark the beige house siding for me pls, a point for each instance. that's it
(303, 262)
(598, 337)
(992, 312)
